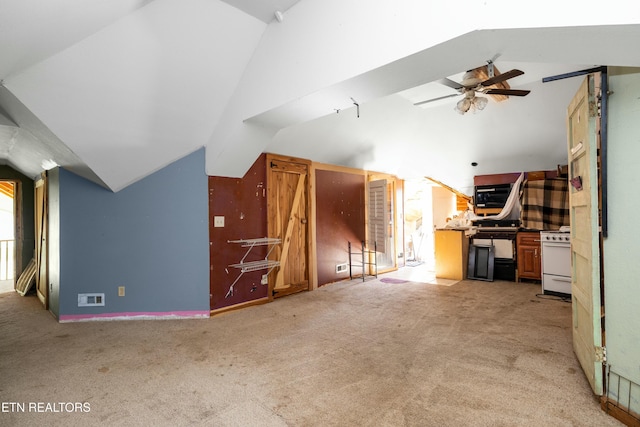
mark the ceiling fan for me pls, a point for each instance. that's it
(485, 80)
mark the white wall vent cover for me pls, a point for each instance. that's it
(90, 300)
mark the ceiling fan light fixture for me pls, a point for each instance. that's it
(463, 105)
(480, 102)
(484, 80)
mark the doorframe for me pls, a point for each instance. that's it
(396, 186)
(18, 229)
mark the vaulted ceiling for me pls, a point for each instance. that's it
(116, 89)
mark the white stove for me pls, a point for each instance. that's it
(555, 237)
(556, 262)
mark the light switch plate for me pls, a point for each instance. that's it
(218, 221)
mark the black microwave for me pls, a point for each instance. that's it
(492, 196)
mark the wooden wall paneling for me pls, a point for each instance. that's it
(340, 219)
(243, 204)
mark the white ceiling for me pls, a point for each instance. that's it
(264, 10)
(393, 135)
(117, 89)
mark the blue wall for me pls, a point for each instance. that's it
(151, 238)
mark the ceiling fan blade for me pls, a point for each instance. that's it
(502, 77)
(511, 92)
(436, 99)
(450, 83)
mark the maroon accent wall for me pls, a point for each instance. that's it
(243, 203)
(339, 219)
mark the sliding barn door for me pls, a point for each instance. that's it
(42, 246)
(583, 128)
(288, 213)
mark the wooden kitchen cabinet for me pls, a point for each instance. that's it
(529, 259)
(452, 254)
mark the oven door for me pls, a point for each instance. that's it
(556, 259)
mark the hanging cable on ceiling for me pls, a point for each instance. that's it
(357, 107)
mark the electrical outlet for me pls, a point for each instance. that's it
(120, 291)
(265, 279)
(218, 221)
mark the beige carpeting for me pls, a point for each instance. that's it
(6, 286)
(386, 352)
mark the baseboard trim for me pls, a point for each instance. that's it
(148, 315)
(259, 301)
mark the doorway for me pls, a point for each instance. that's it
(385, 237)
(427, 206)
(7, 236)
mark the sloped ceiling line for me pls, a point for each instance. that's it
(137, 87)
(145, 91)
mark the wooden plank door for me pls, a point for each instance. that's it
(42, 252)
(582, 131)
(288, 213)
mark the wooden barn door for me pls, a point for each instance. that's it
(583, 127)
(288, 213)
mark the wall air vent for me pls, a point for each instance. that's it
(341, 267)
(90, 300)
